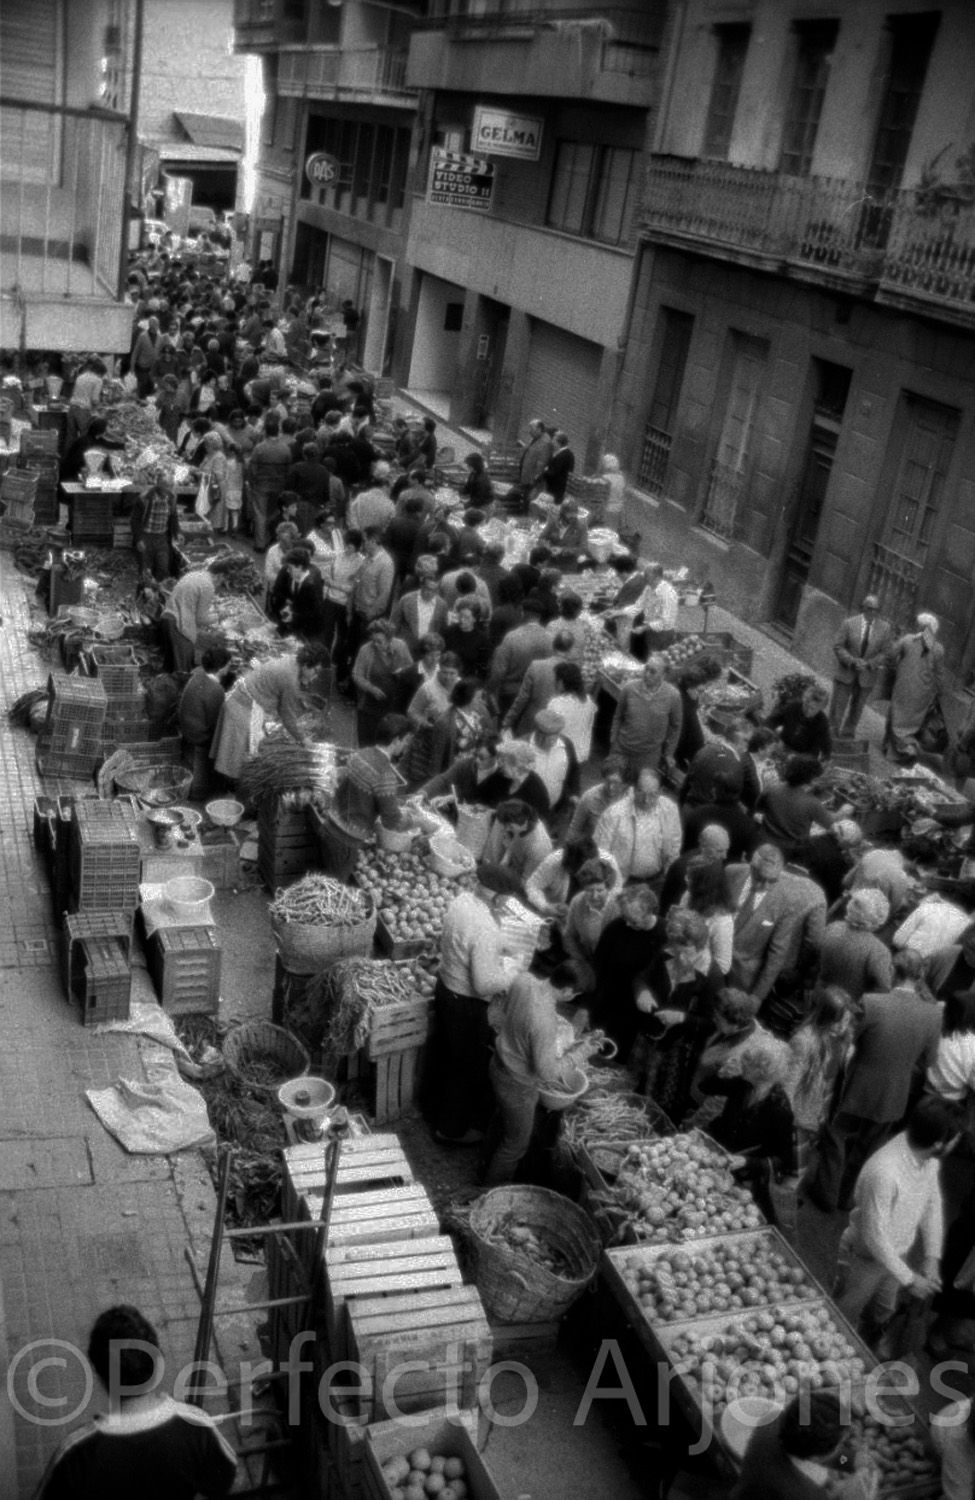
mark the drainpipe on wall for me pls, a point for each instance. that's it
(131, 144)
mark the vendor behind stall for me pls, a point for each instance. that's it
(369, 792)
(271, 690)
(199, 713)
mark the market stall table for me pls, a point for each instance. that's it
(92, 509)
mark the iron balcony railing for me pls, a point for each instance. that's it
(904, 243)
(333, 71)
(62, 196)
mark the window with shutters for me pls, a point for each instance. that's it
(728, 478)
(32, 70)
(927, 433)
(373, 162)
(814, 43)
(909, 41)
(658, 435)
(594, 191)
(732, 44)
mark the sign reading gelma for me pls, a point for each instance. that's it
(321, 169)
(458, 181)
(497, 132)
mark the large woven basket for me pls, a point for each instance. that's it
(255, 1047)
(307, 948)
(158, 786)
(515, 1288)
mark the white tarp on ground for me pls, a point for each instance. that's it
(161, 1112)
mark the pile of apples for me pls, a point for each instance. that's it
(769, 1353)
(679, 1187)
(420, 1474)
(410, 897)
(681, 1284)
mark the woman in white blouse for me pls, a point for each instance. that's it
(707, 893)
(573, 704)
(952, 1074)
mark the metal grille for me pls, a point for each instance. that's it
(725, 490)
(654, 459)
(895, 580)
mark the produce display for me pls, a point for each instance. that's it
(721, 1277)
(734, 695)
(320, 901)
(420, 1474)
(769, 1353)
(676, 1188)
(410, 897)
(607, 1116)
(285, 768)
(510, 1232)
(897, 1452)
(620, 665)
(350, 992)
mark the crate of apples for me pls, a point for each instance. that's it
(421, 1474)
(680, 1187)
(411, 899)
(899, 1451)
(719, 1276)
(771, 1353)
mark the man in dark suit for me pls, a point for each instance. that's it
(860, 648)
(297, 596)
(770, 910)
(420, 612)
(896, 1040)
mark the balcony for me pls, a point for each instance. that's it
(61, 211)
(889, 247)
(374, 75)
(263, 25)
(526, 51)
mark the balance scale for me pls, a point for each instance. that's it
(306, 1103)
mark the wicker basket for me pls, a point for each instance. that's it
(156, 786)
(513, 1287)
(258, 1044)
(576, 1083)
(307, 948)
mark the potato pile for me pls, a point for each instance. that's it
(410, 897)
(898, 1452)
(683, 1284)
(769, 1353)
(680, 1187)
(420, 1474)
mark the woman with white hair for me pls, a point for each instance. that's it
(616, 491)
(917, 661)
(852, 956)
(756, 1124)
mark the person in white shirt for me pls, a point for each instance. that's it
(574, 707)
(556, 763)
(658, 606)
(470, 974)
(897, 1212)
(934, 924)
(952, 1074)
(642, 831)
(286, 536)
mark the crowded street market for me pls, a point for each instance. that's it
(607, 959)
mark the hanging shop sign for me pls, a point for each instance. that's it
(497, 132)
(460, 181)
(321, 169)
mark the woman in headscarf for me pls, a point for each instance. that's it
(918, 666)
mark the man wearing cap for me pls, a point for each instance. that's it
(373, 507)
(556, 762)
(860, 648)
(470, 975)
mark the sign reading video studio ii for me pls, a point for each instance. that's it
(497, 132)
(460, 181)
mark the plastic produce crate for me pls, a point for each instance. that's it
(117, 669)
(93, 518)
(105, 859)
(98, 965)
(184, 963)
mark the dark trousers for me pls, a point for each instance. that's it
(512, 1126)
(464, 1044)
(178, 650)
(844, 1146)
(156, 557)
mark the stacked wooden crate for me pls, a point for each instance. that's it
(385, 1291)
(287, 845)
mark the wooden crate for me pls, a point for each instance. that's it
(366, 1162)
(287, 845)
(221, 861)
(184, 964)
(346, 1447)
(444, 1431)
(419, 1350)
(394, 1047)
(399, 948)
(385, 1270)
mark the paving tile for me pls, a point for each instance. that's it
(54, 1162)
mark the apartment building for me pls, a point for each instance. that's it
(530, 162)
(332, 203)
(797, 395)
(65, 137)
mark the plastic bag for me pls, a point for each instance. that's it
(203, 503)
(933, 734)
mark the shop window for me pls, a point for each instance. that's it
(814, 43)
(732, 44)
(594, 191)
